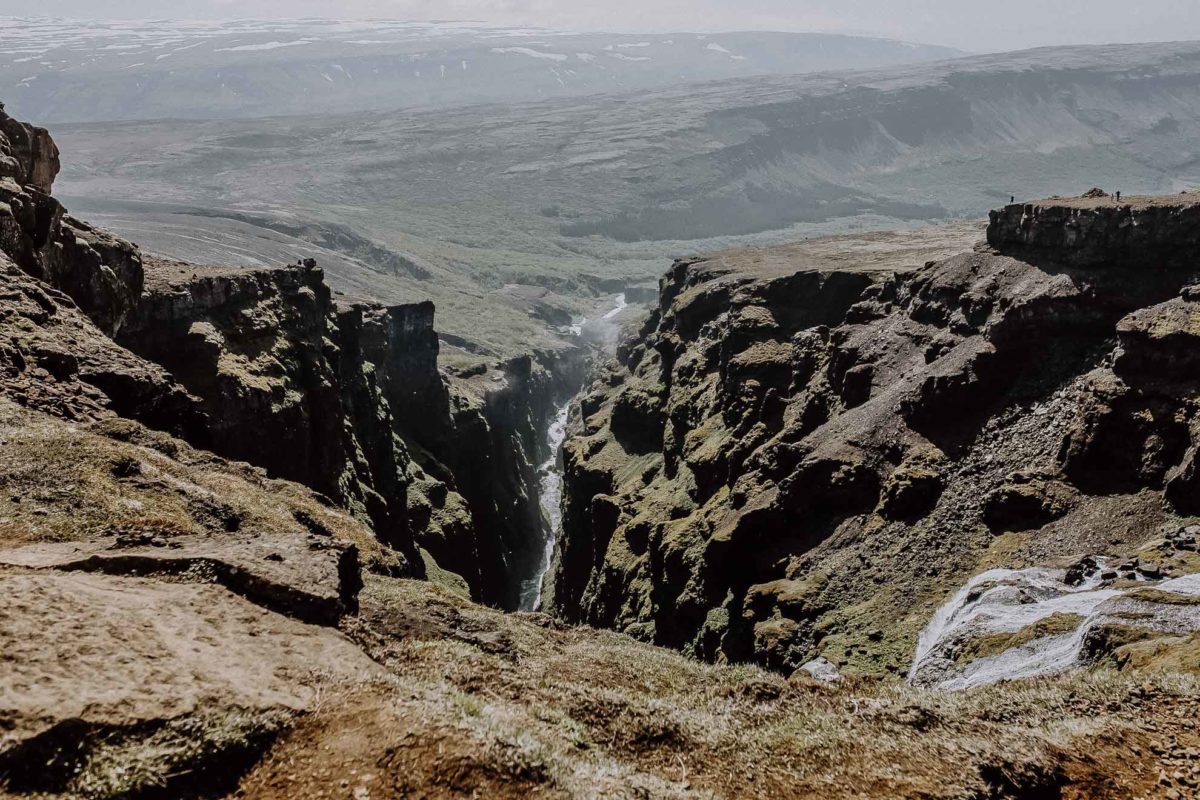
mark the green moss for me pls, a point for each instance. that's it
(996, 643)
(1152, 595)
(438, 576)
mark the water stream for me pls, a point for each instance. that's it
(621, 306)
(550, 478)
(550, 485)
(1008, 601)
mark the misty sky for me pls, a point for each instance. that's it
(978, 25)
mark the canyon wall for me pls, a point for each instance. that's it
(265, 366)
(349, 400)
(804, 461)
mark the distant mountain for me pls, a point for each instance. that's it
(75, 71)
(549, 193)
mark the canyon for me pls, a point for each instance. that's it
(258, 539)
(799, 456)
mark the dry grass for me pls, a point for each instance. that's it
(59, 482)
(523, 707)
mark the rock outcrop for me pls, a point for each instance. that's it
(349, 400)
(1097, 230)
(52, 358)
(284, 380)
(493, 446)
(100, 272)
(791, 464)
(265, 366)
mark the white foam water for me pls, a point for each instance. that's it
(1008, 601)
(550, 479)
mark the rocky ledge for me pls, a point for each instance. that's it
(350, 400)
(800, 458)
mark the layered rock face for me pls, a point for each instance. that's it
(284, 380)
(264, 366)
(786, 464)
(166, 611)
(496, 440)
(349, 400)
(101, 273)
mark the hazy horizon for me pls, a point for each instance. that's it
(967, 26)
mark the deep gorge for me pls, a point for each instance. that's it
(242, 523)
(350, 400)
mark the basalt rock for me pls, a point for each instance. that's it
(1095, 230)
(782, 457)
(349, 400)
(101, 273)
(54, 359)
(295, 384)
(263, 366)
(492, 445)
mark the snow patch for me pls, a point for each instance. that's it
(527, 51)
(264, 46)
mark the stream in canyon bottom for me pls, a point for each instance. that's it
(550, 473)
(550, 480)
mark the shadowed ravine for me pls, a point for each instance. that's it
(603, 332)
(550, 484)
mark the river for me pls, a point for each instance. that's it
(550, 486)
(550, 475)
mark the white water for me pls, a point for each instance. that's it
(550, 480)
(621, 306)
(1008, 601)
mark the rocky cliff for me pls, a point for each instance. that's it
(101, 273)
(284, 380)
(349, 400)
(493, 446)
(804, 461)
(265, 366)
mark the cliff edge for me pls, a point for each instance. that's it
(800, 464)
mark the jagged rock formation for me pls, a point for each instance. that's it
(793, 463)
(492, 447)
(348, 399)
(53, 359)
(101, 273)
(284, 380)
